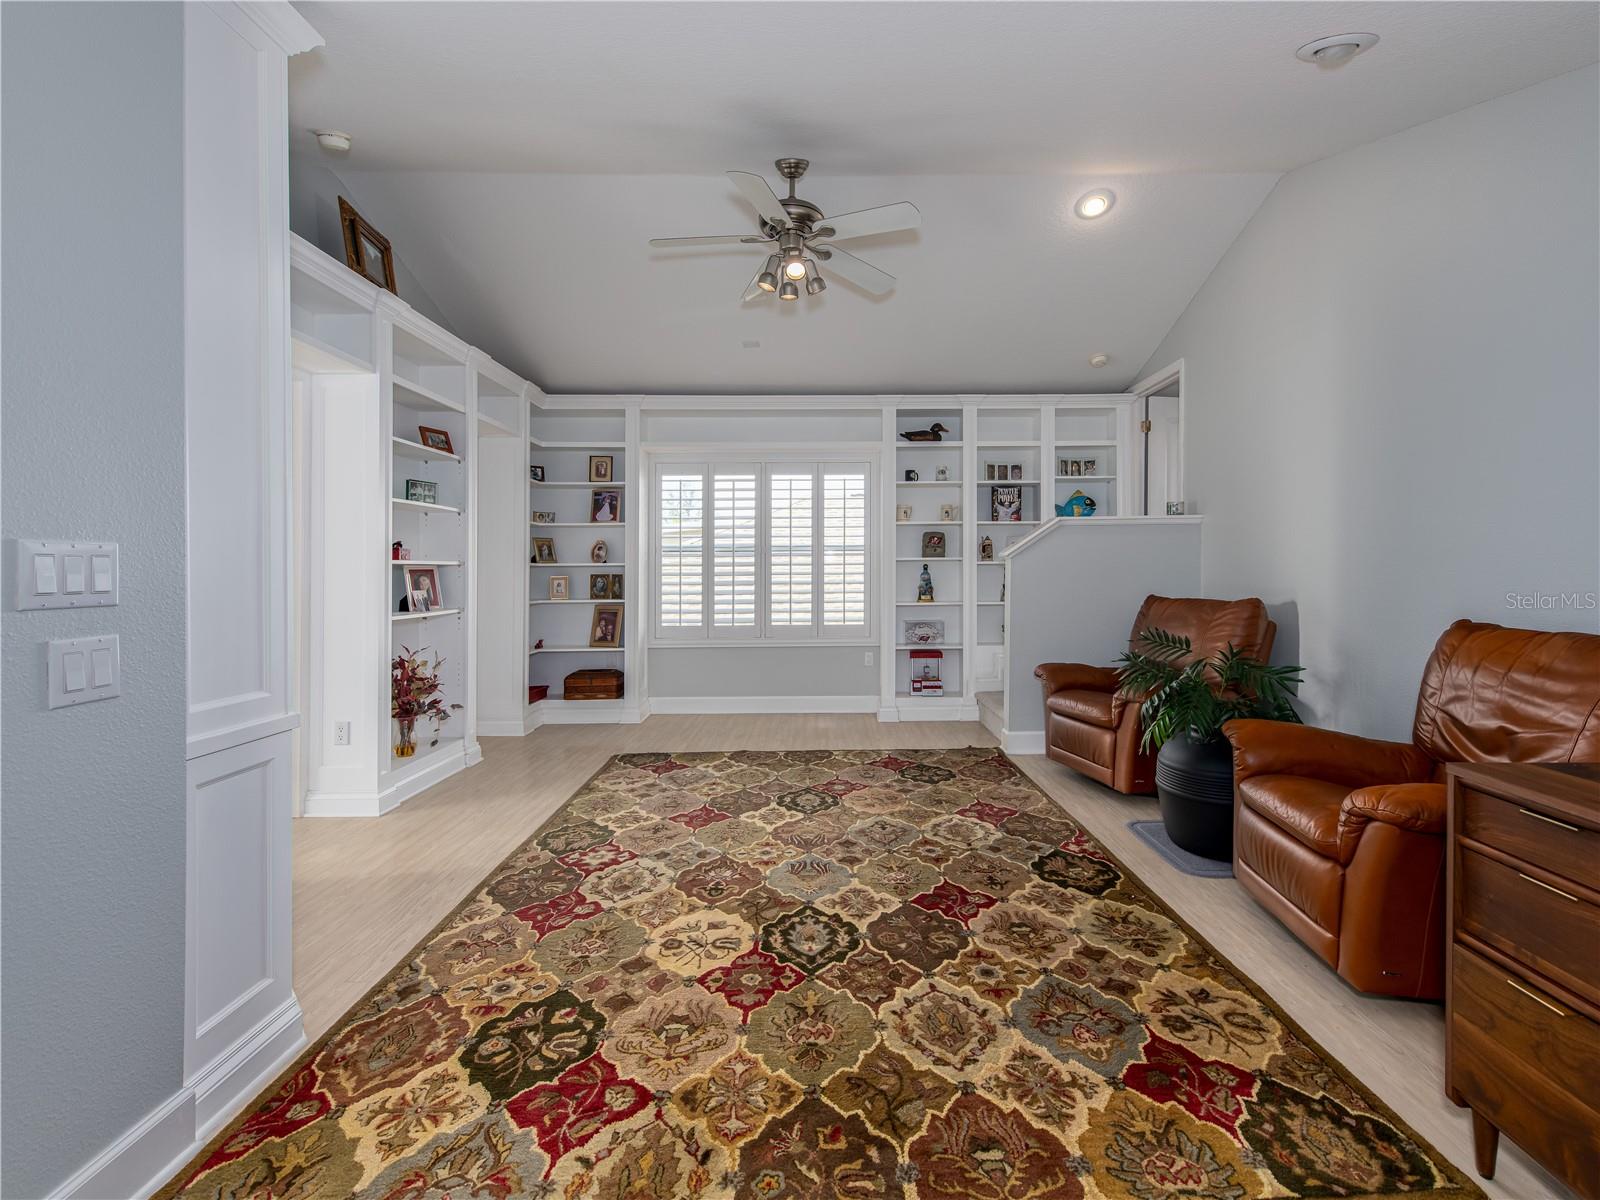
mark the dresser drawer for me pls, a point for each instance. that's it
(1541, 1032)
(1526, 1068)
(1553, 930)
(1555, 845)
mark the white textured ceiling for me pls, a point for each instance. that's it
(483, 133)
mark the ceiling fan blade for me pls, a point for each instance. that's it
(754, 290)
(722, 239)
(761, 196)
(862, 223)
(863, 274)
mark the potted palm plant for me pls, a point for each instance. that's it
(1183, 703)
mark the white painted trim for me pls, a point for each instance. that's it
(489, 729)
(376, 803)
(1147, 387)
(162, 1142)
(239, 735)
(763, 704)
(291, 32)
(1055, 523)
(964, 712)
(1022, 742)
(692, 403)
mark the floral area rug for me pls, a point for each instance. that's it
(815, 975)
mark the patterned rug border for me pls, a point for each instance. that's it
(1463, 1188)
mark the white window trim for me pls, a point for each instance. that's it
(710, 460)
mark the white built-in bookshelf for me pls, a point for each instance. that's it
(584, 503)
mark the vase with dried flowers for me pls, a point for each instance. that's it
(413, 693)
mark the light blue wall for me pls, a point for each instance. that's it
(92, 826)
(1391, 391)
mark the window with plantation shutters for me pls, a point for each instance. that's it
(790, 560)
(844, 549)
(680, 540)
(735, 534)
(773, 550)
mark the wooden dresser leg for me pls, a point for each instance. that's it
(1485, 1144)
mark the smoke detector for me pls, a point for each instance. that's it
(1335, 51)
(333, 139)
(1099, 360)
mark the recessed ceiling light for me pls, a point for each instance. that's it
(1335, 51)
(1095, 204)
(333, 139)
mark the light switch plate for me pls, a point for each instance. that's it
(56, 574)
(84, 669)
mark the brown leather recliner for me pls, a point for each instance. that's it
(1096, 732)
(1342, 838)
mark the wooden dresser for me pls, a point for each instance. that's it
(1522, 982)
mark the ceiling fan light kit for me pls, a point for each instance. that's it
(805, 238)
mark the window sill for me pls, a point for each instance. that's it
(759, 644)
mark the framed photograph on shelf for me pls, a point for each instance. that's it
(423, 491)
(933, 543)
(990, 471)
(544, 518)
(606, 630)
(1063, 467)
(599, 587)
(902, 513)
(599, 552)
(922, 633)
(1016, 470)
(605, 506)
(366, 251)
(1074, 466)
(1005, 504)
(535, 473)
(616, 586)
(544, 550)
(560, 587)
(422, 583)
(435, 439)
(1089, 466)
(600, 468)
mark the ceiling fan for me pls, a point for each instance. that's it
(803, 239)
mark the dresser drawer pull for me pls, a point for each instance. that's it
(1548, 888)
(1528, 812)
(1534, 996)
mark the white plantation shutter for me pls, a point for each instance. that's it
(844, 549)
(790, 557)
(753, 550)
(681, 542)
(735, 532)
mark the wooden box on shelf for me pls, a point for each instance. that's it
(596, 684)
(1522, 982)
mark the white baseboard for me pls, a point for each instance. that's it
(375, 804)
(158, 1146)
(717, 705)
(500, 729)
(1023, 742)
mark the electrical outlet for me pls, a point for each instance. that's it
(868, 660)
(341, 733)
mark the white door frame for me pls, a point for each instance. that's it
(1147, 387)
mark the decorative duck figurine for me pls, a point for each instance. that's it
(934, 433)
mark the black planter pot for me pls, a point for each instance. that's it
(1194, 782)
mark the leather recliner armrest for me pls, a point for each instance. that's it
(1419, 807)
(1057, 676)
(1282, 748)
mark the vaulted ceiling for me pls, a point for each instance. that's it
(520, 155)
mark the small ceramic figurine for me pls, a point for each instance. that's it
(986, 549)
(925, 586)
(934, 433)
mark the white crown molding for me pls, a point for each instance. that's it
(280, 22)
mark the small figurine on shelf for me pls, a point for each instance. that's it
(986, 549)
(399, 553)
(925, 586)
(934, 433)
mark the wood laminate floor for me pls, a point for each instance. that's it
(368, 889)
